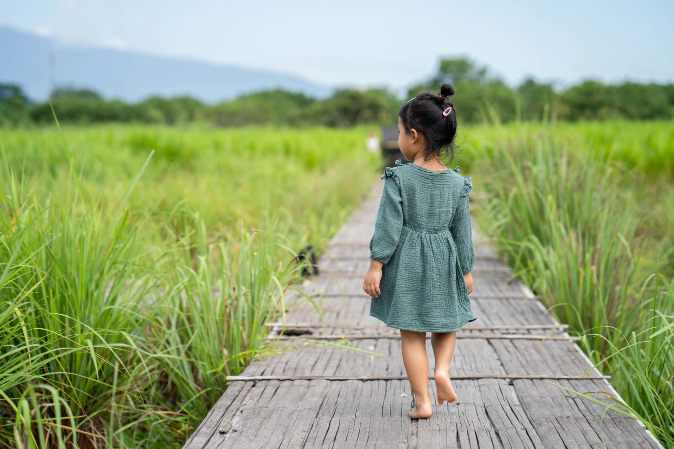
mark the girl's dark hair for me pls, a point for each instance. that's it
(425, 114)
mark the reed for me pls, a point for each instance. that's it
(119, 323)
(572, 226)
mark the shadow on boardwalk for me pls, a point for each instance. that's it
(501, 402)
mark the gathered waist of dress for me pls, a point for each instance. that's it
(409, 228)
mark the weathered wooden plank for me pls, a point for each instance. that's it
(321, 424)
(303, 418)
(558, 415)
(472, 419)
(220, 415)
(507, 416)
(472, 356)
(315, 327)
(241, 430)
(342, 261)
(328, 285)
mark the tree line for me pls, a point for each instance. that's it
(480, 97)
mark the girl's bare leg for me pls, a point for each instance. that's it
(416, 365)
(443, 349)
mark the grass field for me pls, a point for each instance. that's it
(232, 178)
(588, 225)
(129, 287)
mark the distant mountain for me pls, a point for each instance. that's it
(25, 60)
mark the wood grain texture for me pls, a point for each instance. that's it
(504, 409)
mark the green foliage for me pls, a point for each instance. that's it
(170, 111)
(561, 209)
(592, 100)
(200, 169)
(646, 146)
(485, 102)
(483, 98)
(453, 71)
(642, 101)
(535, 99)
(84, 106)
(274, 107)
(580, 230)
(13, 105)
(351, 107)
(121, 314)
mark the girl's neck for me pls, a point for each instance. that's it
(433, 164)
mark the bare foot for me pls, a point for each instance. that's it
(421, 411)
(444, 387)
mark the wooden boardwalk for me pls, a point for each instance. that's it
(498, 407)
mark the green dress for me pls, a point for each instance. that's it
(423, 238)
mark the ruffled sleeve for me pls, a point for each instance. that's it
(467, 186)
(388, 172)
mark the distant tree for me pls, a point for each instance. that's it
(534, 97)
(11, 93)
(479, 96)
(484, 101)
(642, 101)
(349, 107)
(453, 71)
(590, 100)
(171, 111)
(13, 105)
(668, 89)
(84, 106)
(271, 107)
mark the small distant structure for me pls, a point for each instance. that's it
(389, 145)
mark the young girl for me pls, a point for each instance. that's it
(422, 252)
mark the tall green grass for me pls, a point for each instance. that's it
(79, 368)
(119, 323)
(571, 223)
(125, 300)
(640, 153)
(232, 177)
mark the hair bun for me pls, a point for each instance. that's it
(446, 90)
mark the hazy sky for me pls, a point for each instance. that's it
(385, 43)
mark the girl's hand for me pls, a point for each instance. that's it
(373, 278)
(468, 279)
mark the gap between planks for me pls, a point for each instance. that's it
(397, 336)
(319, 295)
(367, 378)
(466, 328)
(477, 274)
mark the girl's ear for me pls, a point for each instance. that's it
(414, 134)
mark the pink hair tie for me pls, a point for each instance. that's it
(447, 111)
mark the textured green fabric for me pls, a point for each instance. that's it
(423, 237)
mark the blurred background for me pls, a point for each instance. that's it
(331, 64)
(168, 168)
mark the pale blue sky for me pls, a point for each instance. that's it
(385, 43)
